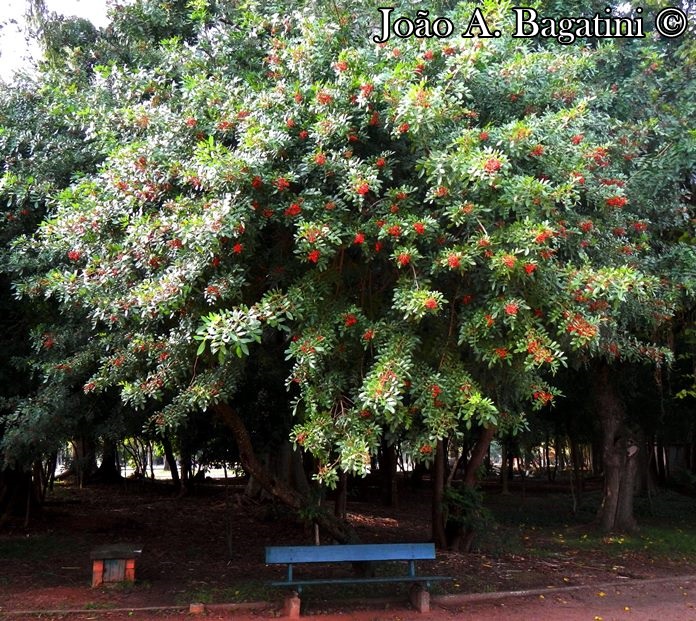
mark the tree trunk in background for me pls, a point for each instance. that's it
(619, 455)
(387, 469)
(84, 460)
(18, 495)
(187, 481)
(577, 462)
(547, 456)
(171, 461)
(299, 480)
(597, 460)
(340, 505)
(108, 471)
(438, 497)
(660, 461)
(338, 529)
(504, 473)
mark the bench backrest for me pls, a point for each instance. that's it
(351, 552)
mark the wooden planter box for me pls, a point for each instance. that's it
(114, 563)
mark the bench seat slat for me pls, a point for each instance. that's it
(350, 553)
(376, 579)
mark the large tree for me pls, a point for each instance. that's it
(434, 226)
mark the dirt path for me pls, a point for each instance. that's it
(663, 599)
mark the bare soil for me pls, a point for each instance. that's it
(209, 548)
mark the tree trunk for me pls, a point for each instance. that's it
(438, 497)
(576, 461)
(187, 481)
(84, 462)
(619, 456)
(597, 455)
(660, 461)
(108, 471)
(338, 529)
(387, 469)
(171, 461)
(504, 472)
(340, 504)
(477, 454)
(464, 540)
(18, 495)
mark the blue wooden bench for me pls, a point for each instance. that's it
(409, 552)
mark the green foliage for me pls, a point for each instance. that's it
(433, 227)
(464, 507)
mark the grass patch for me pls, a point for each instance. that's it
(36, 547)
(658, 542)
(545, 526)
(98, 605)
(251, 591)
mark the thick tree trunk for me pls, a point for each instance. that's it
(338, 529)
(108, 471)
(619, 456)
(84, 460)
(477, 455)
(463, 539)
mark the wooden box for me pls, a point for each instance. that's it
(114, 563)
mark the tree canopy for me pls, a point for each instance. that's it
(429, 228)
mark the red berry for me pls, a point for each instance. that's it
(511, 308)
(492, 165)
(509, 260)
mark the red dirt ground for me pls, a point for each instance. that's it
(187, 559)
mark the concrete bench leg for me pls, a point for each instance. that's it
(420, 598)
(291, 606)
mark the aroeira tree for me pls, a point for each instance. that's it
(430, 227)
